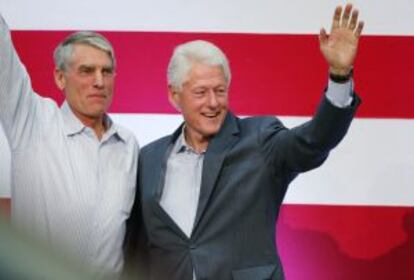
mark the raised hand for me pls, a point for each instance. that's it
(340, 47)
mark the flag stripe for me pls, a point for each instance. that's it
(272, 74)
(368, 161)
(369, 167)
(341, 242)
(262, 16)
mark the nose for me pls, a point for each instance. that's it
(212, 99)
(99, 79)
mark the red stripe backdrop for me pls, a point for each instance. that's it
(273, 74)
(347, 242)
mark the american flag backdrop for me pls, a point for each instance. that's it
(353, 218)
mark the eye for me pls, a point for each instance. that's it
(85, 70)
(221, 91)
(107, 71)
(199, 92)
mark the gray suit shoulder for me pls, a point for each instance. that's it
(148, 148)
(260, 123)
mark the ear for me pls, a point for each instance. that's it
(60, 79)
(174, 98)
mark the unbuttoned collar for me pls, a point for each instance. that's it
(72, 125)
(182, 146)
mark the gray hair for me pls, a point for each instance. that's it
(64, 50)
(186, 54)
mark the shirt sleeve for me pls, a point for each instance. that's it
(340, 95)
(17, 99)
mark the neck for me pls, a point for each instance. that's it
(96, 124)
(198, 142)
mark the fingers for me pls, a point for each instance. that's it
(354, 20)
(323, 36)
(337, 17)
(347, 18)
(359, 28)
(346, 15)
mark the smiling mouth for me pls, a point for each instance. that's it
(211, 115)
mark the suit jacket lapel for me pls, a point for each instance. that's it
(213, 160)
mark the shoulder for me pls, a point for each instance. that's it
(260, 123)
(127, 135)
(155, 145)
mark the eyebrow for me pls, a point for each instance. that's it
(93, 66)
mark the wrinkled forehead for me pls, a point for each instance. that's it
(198, 72)
(88, 55)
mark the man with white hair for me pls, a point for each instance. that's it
(210, 193)
(73, 169)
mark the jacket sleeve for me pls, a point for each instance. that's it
(307, 146)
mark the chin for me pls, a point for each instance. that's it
(211, 132)
(96, 113)
(98, 110)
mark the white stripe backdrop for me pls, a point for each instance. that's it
(369, 167)
(372, 166)
(245, 16)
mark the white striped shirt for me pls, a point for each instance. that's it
(69, 189)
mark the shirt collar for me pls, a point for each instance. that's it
(72, 125)
(182, 146)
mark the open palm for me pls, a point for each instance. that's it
(340, 47)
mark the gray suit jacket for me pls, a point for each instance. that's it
(247, 168)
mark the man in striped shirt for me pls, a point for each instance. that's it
(73, 169)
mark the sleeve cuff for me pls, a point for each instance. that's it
(340, 94)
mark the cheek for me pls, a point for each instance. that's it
(190, 106)
(109, 82)
(191, 114)
(79, 89)
(223, 101)
(109, 89)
